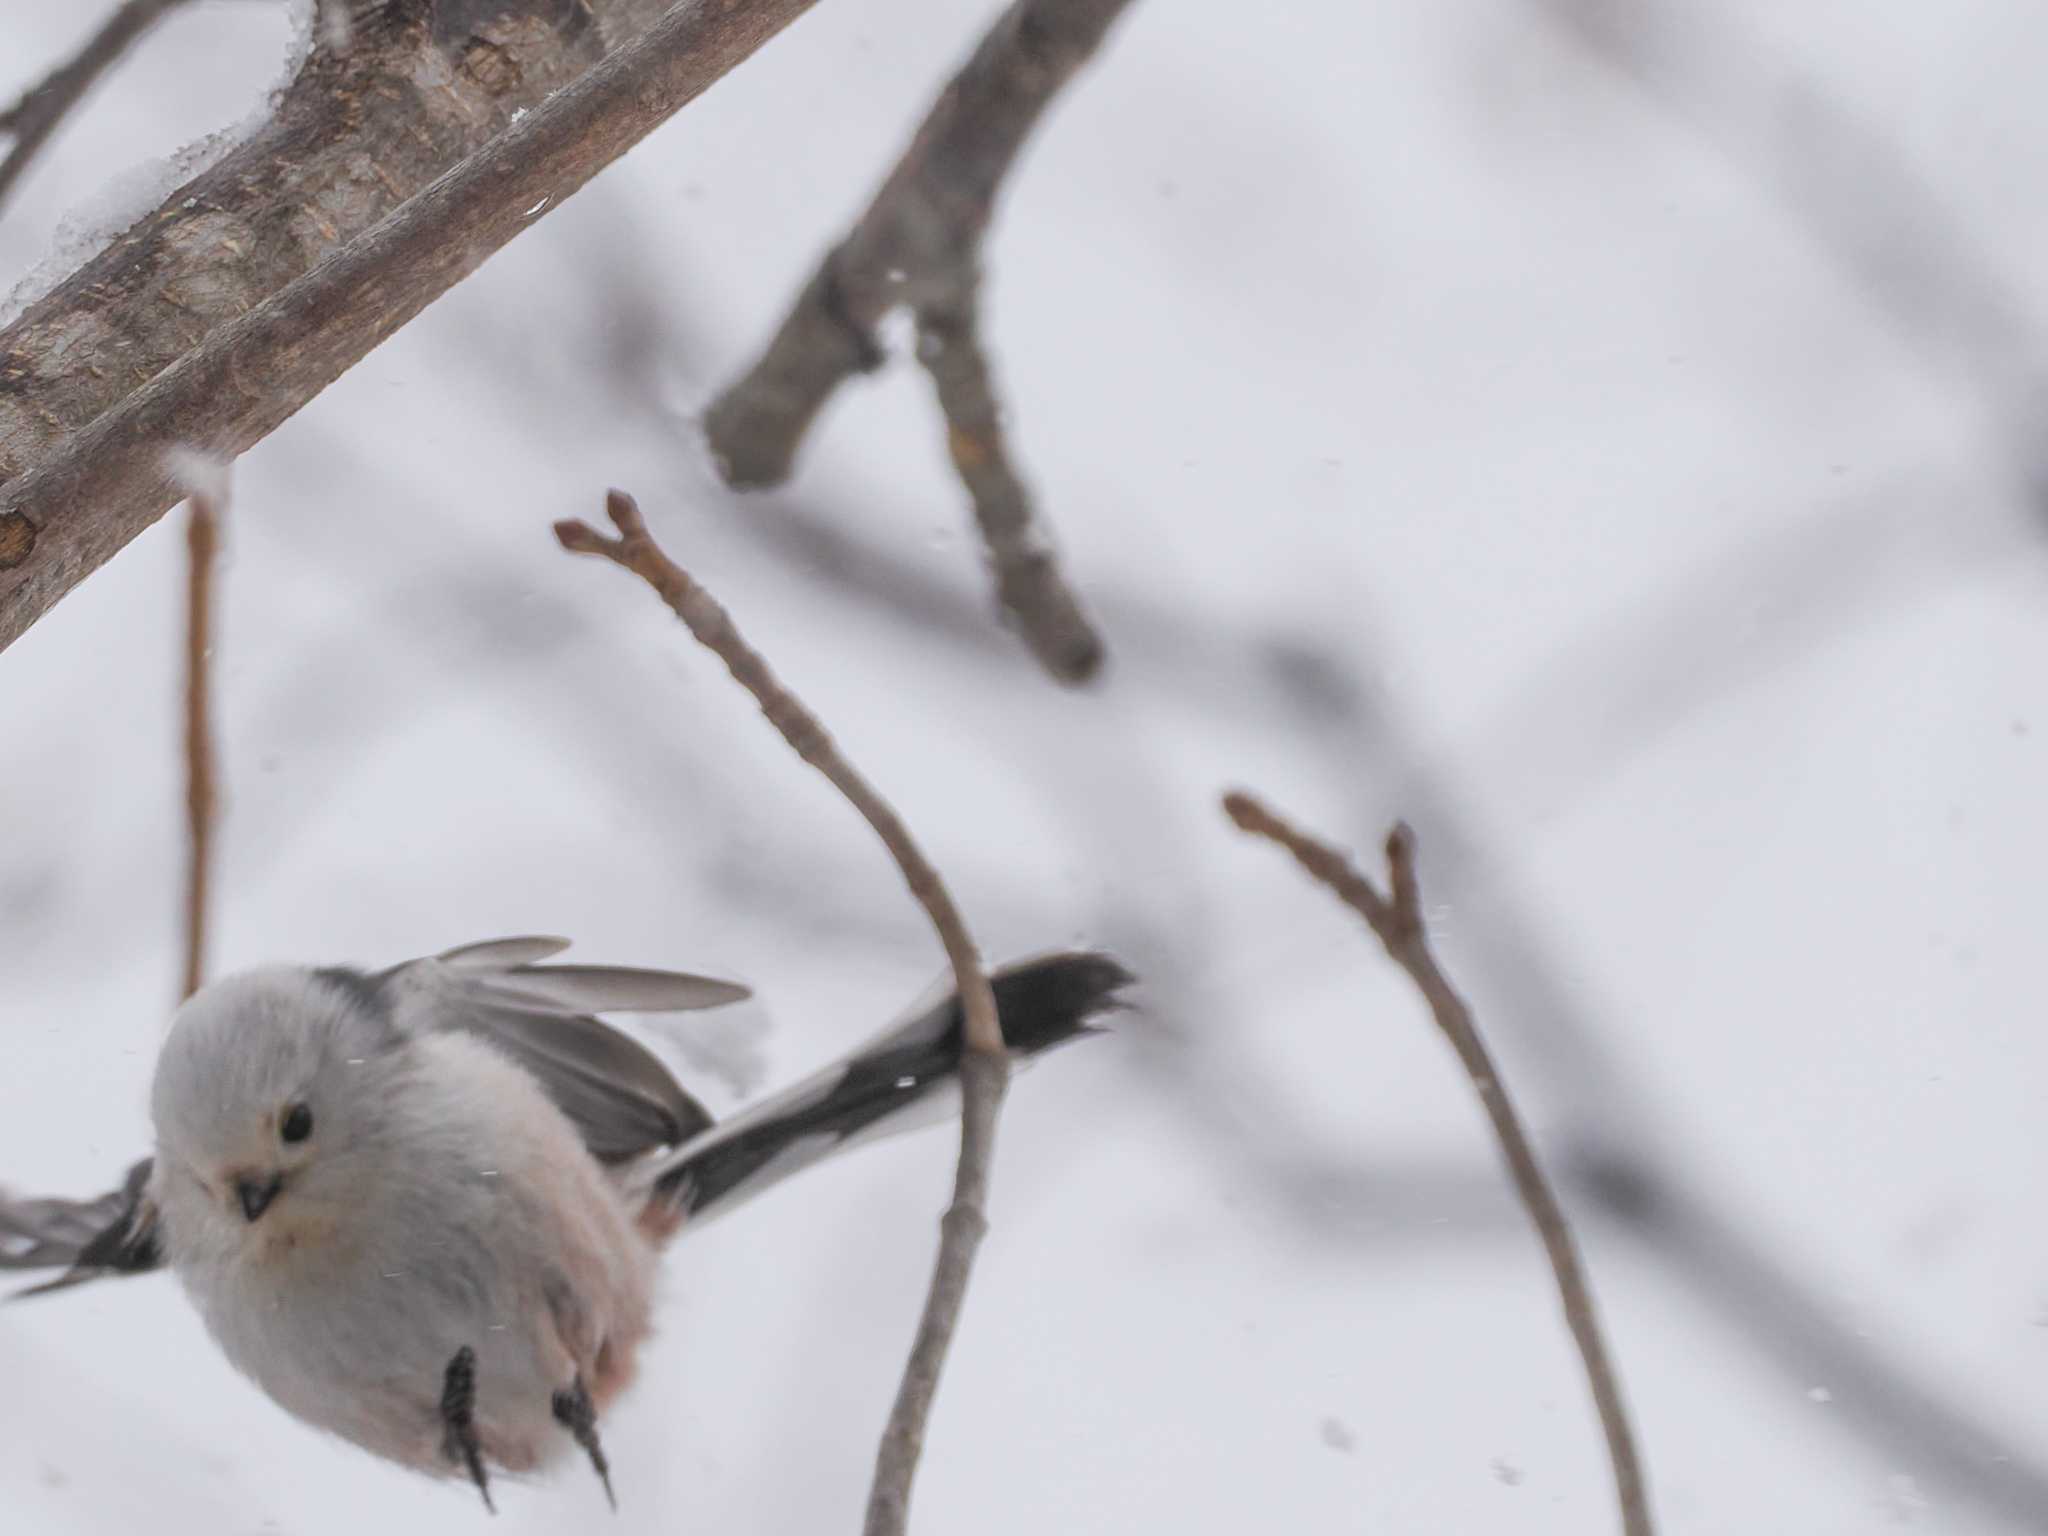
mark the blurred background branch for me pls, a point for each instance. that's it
(1762, 670)
(919, 246)
(1846, 180)
(206, 509)
(41, 108)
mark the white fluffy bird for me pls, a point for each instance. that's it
(421, 1207)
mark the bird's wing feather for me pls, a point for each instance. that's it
(620, 1096)
(498, 954)
(619, 988)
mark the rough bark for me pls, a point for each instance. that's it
(387, 172)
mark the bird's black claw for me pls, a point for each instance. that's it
(458, 1417)
(577, 1414)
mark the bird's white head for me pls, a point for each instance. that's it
(267, 1103)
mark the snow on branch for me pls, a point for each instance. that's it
(44, 105)
(918, 246)
(261, 280)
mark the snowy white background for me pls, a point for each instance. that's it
(1610, 449)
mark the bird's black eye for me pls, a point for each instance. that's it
(298, 1123)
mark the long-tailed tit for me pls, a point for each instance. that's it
(421, 1208)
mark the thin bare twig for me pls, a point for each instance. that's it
(44, 105)
(1886, 1405)
(919, 246)
(984, 1064)
(202, 544)
(1397, 919)
(1892, 1406)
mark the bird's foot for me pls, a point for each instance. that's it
(577, 1414)
(458, 1420)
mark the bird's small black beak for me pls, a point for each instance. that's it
(256, 1191)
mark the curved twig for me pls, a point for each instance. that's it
(1397, 919)
(984, 1064)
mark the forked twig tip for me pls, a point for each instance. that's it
(1242, 809)
(1402, 884)
(579, 538)
(624, 512)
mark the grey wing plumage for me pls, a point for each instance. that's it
(115, 1234)
(619, 1095)
(500, 954)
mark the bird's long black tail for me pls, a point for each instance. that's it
(903, 1078)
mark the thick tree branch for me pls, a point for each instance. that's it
(388, 173)
(919, 246)
(45, 104)
(1397, 919)
(984, 1064)
(202, 545)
